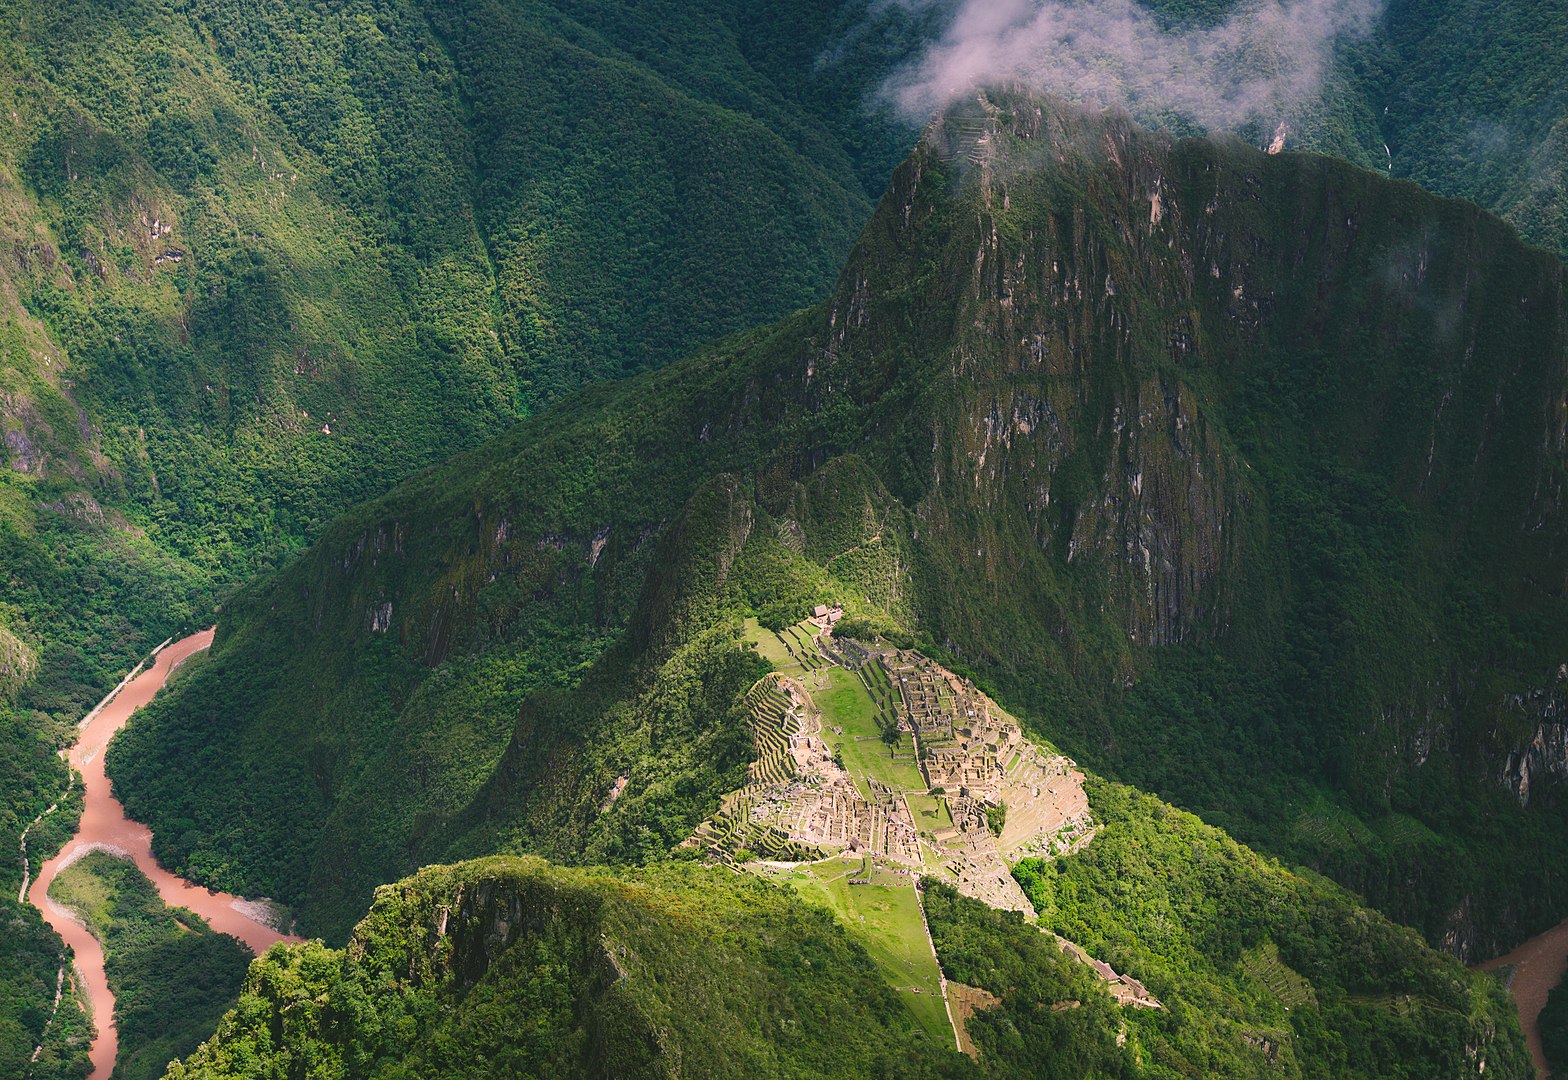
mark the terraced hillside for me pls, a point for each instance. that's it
(836, 773)
(837, 823)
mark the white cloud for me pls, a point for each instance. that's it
(1262, 63)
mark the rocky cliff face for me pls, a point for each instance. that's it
(1173, 393)
(1106, 294)
(1240, 474)
(1543, 757)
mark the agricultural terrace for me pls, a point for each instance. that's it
(877, 766)
(866, 750)
(791, 650)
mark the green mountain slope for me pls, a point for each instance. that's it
(510, 967)
(1238, 476)
(258, 261)
(259, 265)
(1476, 106)
(506, 966)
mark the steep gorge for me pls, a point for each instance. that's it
(1238, 476)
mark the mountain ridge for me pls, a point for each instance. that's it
(1133, 600)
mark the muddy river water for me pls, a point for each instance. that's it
(104, 826)
(1538, 966)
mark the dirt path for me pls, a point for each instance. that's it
(104, 826)
(1538, 967)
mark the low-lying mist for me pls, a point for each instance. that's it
(1261, 64)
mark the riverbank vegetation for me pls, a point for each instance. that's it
(1553, 1023)
(171, 976)
(32, 778)
(32, 971)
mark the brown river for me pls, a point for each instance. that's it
(1539, 963)
(104, 826)
(1538, 967)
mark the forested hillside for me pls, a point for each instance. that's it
(513, 967)
(260, 263)
(1291, 558)
(260, 260)
(1474, 105)
(173, 978)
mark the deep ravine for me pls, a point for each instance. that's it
(104, 826)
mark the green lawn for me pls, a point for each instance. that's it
(767, 643)
(887, 920)
(846, 704)
(931, 813)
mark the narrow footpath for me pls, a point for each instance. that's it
(104, 826)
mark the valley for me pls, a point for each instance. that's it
(105, 827)
(827, 538)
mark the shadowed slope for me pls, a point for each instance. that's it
(1239, 476)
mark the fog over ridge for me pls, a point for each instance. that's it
(1262, 64)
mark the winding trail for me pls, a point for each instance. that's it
(104, 827)
(27, 867)
(1538, 966)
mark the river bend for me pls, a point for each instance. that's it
(104, 826)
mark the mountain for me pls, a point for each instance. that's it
(1472, 106)
(1238, 476)
(1463, 97)
(259, 261)
(512, 967)
(509, 966)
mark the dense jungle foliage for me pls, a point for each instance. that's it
(259, 264)
(512, 967)
(1279, 555)
(1553, 1022)
(1474, 105)
(1255, 964)
(171, 976)
(33, 778)
(33, 969)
